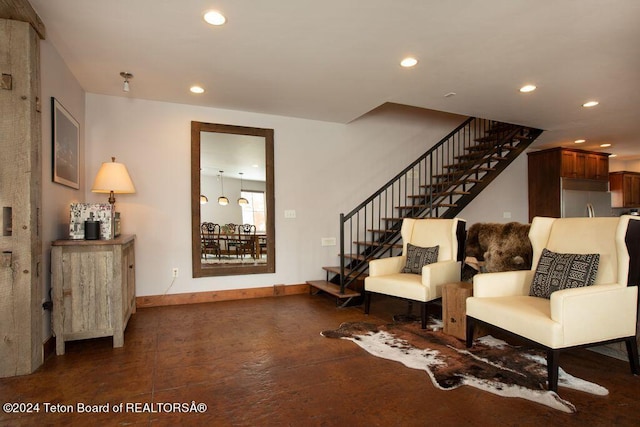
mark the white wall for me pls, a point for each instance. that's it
(616, 165)
(321, 170)
(506, 199)
(58, 82)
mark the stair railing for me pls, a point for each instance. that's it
(426, 188)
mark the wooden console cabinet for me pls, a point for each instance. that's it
(93, 289)
(625, 189)
(547, 167)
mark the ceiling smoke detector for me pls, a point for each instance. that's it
(126, 76)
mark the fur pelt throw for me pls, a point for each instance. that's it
(493, 247)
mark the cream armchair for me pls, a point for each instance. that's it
(386, 274)
(575, 317)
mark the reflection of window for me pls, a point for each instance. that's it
(254, 212)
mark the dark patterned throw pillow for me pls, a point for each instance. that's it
(563, 271)
(418, 257)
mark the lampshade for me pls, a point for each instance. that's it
(113, 177)
(203, 199)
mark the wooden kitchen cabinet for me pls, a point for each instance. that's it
(597, 166)
(625, 189)
(579, 163)
(93, 289)
(547, 167)
(573, 163)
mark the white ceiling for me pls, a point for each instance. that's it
(335, 60)
(234, 155)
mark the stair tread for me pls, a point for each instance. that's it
(469, 167)
(464, 172)
(475, 161)
(424, 206)
(482, 147)
(370, 243)
(377, 230)
(447, 184)
(336, 270)
(501, 127)
(359, 257)
(452, 193)
(333, 289)
(496, 136)
(441, 193)
(477, 155)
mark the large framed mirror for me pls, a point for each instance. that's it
(232, 200)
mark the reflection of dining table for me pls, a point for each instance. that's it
(227, 241)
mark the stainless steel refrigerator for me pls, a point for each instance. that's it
(584, 197)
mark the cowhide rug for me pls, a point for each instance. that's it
(491, 364)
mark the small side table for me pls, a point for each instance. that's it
(454, 308)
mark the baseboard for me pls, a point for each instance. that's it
(226, 295)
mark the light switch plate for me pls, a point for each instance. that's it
(328, 241)
(290, 213)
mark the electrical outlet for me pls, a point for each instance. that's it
(174, 272)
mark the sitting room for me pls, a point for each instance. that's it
(319, 213)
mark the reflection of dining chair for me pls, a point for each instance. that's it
(247, 242)
(230, 231)
(262, 245)
(210, 238)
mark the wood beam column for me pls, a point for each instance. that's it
(21, 350)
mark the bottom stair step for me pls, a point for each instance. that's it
(332, 289)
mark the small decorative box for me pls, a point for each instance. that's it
(81, 212)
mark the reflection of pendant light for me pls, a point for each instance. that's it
(242, 200)
(203, 199)
(222, 200)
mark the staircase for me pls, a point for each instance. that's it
(439, 184)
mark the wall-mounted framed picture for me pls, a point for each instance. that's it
(66, 146)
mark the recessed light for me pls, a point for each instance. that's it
(580, 141)
(449, 95)
(527, 88)
(214, 17)
(605, 145)
(590, 104)
(613, 155)
(196, 89)
(408, 62)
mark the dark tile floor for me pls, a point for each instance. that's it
(262, 362)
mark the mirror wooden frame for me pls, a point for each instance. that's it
(206, 270)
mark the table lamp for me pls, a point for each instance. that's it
(113, 178)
